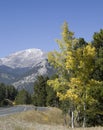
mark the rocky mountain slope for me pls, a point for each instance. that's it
(21, 68)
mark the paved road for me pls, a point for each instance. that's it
(21, 108)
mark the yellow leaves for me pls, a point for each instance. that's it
(51, 58)
(77, 63)
(69, 95)
(69, 64)
(81, 65)
(54, 83)
(66, 33)
(61, 96)
(57, 59)
(89, 51)
(76, 85)
(72, 95)
(70, 60)
(80, 61)
(73, 90)
(58, 84)
(88, 56)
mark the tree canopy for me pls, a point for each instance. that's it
(75, 64)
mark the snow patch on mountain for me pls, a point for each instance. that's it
(25, 58)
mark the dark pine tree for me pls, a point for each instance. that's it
(23, 97)
(52, 99)
(40, 94)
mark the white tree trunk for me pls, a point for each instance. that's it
(72, 119)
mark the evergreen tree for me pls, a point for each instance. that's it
(98, 75)
(23, 97)
(98, 39)
(11, 92)
(52, 99)
(81, 43)
(7, 94)
(98, 44)
(40, 94)
(2, 93)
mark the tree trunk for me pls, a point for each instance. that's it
(72, 119)
(84, 118)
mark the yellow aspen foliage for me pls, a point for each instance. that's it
(74, 67)
(81, 61)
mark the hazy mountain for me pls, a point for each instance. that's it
(21, 68)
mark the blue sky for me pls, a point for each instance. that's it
(37, 23)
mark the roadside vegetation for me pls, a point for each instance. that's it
(36, 120)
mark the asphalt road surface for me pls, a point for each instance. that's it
(21, 108)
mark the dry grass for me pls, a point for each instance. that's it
(35, 120)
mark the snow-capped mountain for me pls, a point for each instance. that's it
(21, 68)
(25, 58)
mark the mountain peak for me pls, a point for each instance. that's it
(24, 58)
(26, 52)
